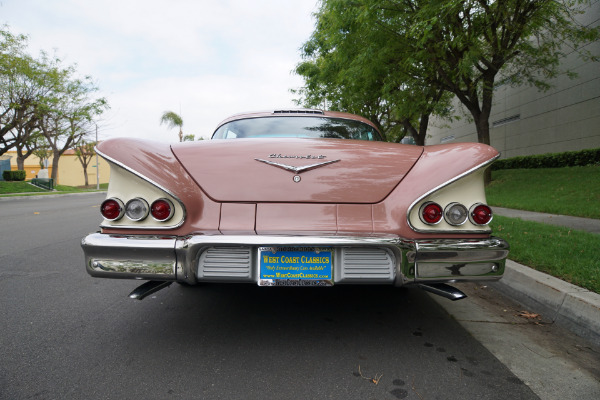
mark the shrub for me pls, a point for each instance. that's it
(14, 175)
(551, 160)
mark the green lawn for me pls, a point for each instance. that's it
(573, 256)
(18, 187)
(567, 191)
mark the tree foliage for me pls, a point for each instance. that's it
(172, 120)
(352, 69)
(69, 117)
(41, 98)
(402, 60)
(23, 89)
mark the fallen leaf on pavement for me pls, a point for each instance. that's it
(528, 315)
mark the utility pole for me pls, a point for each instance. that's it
(97, 166)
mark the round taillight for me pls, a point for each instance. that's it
(162, 210)
(455, 214)
(137, 209)
(480, 214)
(431, 213)
(112, 209)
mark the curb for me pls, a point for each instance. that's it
(570, 306)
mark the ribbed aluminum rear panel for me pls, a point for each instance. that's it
(366, 265)
(226, 263)
(351, 264)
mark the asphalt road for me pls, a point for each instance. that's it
(65, 335)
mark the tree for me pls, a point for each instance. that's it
(172, 120)
(24, 87)
(469, 45)
(189, 138)
(85, 153)
(354, 66)
(42, 151)
(413, 54)
(40, 97)
(35, 144)
(66, 119)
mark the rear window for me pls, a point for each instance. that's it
(297, 127)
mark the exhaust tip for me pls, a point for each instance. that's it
(441, 289)
(147, 289)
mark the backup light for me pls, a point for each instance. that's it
(455, 214)
(137, 209)
(430, 213)
(112, 209)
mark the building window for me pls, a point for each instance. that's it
(505, 121)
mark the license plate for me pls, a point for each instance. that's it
(295, 266)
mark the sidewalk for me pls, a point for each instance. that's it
(575, 308)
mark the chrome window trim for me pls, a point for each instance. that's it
(443, 185)
(274, 115)
(150, 181)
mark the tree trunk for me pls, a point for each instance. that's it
(20, 162)
(482, 120)
(417, 135)
(55, 158)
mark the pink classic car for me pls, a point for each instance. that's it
(296, 198)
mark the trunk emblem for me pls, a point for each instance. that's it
(296, 170)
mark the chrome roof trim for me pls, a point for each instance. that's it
(150, 181)
(456, 178)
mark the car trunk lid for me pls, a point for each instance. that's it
(297, 170)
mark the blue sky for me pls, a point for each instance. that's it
(204, 59)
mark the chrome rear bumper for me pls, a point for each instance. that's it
(229, 258)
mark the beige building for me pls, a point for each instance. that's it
(526, 121)
(70, 170)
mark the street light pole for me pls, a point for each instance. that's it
(97, 166)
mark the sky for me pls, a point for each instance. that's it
(203, 59)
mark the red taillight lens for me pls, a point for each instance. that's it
(480, 214)
(431, 213)
(112, 209)
(162, 210)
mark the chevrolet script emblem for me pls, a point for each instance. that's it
(296, 170)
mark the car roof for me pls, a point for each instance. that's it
(302, 112)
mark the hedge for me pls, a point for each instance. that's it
(551, 160)
(14, 175)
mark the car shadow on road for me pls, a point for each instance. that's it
(339, 340)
